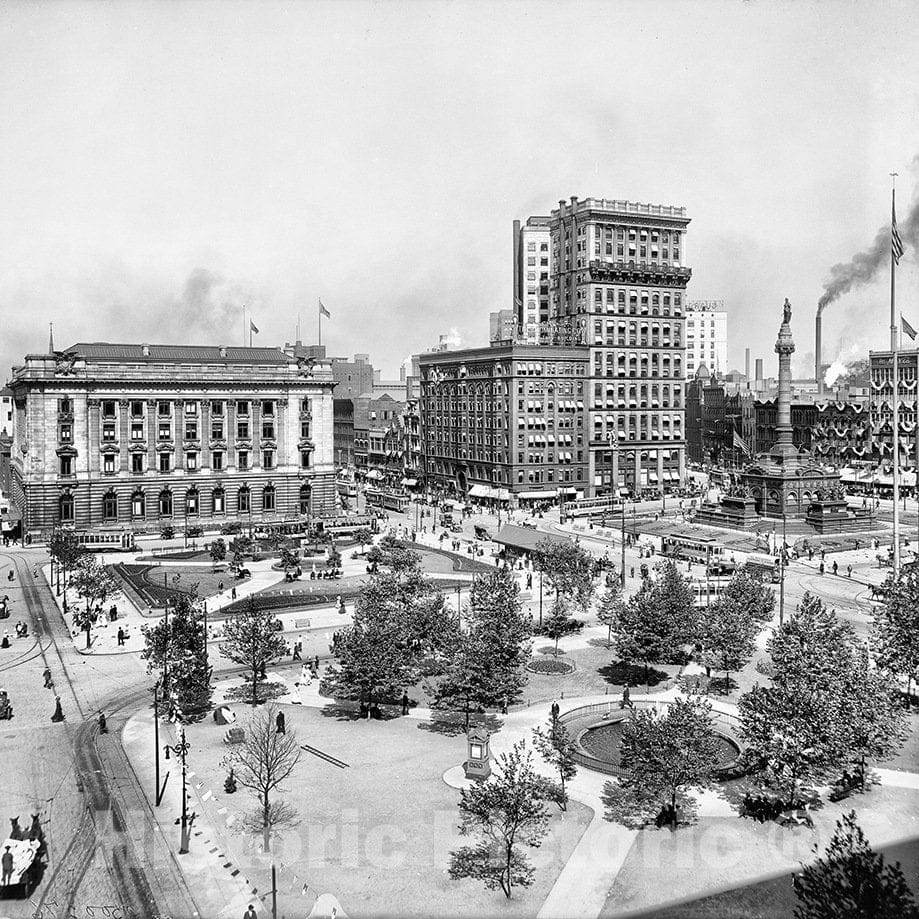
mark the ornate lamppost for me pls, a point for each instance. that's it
(180, 748)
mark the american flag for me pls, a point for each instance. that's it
(896, 244)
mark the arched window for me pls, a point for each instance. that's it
(138, 505)
(65, 508)
(110, 506)
(219, 499)
(306, 492)
(242, 499)
(268, 498)
(165, 503)
(191, 501)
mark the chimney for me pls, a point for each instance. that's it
(145, 350)
(759, 369)
(223, 350)
(818, 351)
(518, 293)
(747, 364)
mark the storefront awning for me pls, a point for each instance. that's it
(486, 491)
(410, 482)
(537, 495)
(374, 474)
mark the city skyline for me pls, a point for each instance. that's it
(165, 169)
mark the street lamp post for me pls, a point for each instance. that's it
(181, 750)
(613, 440)
(782, 575)
(156, 739)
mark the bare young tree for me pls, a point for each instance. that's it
(264, 760)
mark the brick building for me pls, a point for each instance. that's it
(136, 436)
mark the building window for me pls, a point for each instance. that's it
(217, 429)
(108, 433)
(137, 409)
(217, 461)
(108, 408)
(163, 409)
(138, 505)
(65, 434)
(242, 459)
(191, 501)
(108, 464)
(268, 409)
(242, 500)
(191, 408)
(65, 405)
(242, 408)
(268, 498)
(267, 459)
(304, 430)
(268, 430)
(219, 500)
(137, 462)
(242, 430)
(165, 504)
(305, 495)
(137, 430)
(304, 459)
(164, 462)
(65, 508)
(66, 465)
(164, 430)
(110, 506)
(191, 462)
(191, 430)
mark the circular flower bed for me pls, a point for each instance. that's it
(549, 665)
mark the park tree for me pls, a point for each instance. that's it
(675, 600)
(826, 709)
(486, 664)
(218, 552)
(895, 632)
(253, 638)
(663, 757)
(558, 748)
(363, 537)
(65, 550)
(746, 590)
(727, 635)
(94, 583)
(176, 648)
(608, 609)
(852, 881)
(568, 568)
(262, 763)
(559, 623)
(507, 812)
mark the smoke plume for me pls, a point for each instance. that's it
(863, 266)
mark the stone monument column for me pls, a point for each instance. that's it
(784, 449)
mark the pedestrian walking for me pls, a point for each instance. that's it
(822, 567)
(58, 715)
(280, 723)
(849, 571)
(404, 702)
(306, 676)
(5, 643)
(835, 567)
(316, 663)
(625, 700)
(504, 706)
(103, 724)
(46, 673)
(7, 861)
(121, 637)
(296, 655)
(554, 710)
(250, 913)
(233, 593)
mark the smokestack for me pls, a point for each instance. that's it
(818, 350)
(747, 364)
(759, 370)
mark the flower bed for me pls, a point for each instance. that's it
(549, 665)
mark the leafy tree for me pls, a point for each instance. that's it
(852, 881)
(334, 558)
(825, 710)
(558, 623)
(95, 583)
(663, 757)
(727, 635)
(261, 763)
(253, 639)
(487, 660)
(389, 554)
(895, 633)
(568, 568)
(675, 600)
(608, 610)
(363, 537)
(218, 551)
(508, 811)
(176, 647)
(746, 590)
(557, 747)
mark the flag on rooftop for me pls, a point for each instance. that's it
(907, 328)
(896, 244)
(741, 444)
(323, 311)
(253, 327)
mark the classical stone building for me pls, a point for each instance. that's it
(138, 436)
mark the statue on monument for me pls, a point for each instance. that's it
(786, 314)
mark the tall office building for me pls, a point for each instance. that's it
(618, 276)
(532, 273)
(706, 337)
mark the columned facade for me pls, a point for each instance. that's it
(142, 436)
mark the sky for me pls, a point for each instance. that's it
(164, 164)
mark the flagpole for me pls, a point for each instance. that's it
(244, 325)
(320, 324)
(896, 388)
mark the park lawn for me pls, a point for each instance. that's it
(734, 857)
(208, 581)
(378, 834)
